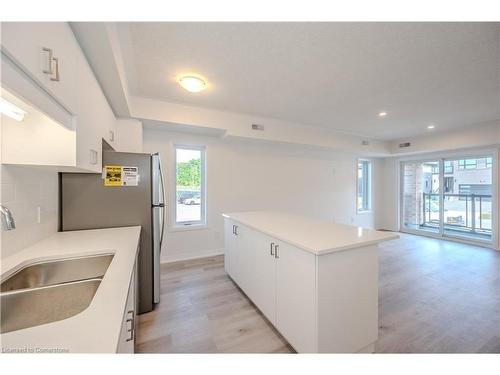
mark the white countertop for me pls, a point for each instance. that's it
(313, 235)
(97, 328)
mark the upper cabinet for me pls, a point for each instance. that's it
(48, 53)
(45, 71)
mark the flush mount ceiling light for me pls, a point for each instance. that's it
(431, 126)
(11, 110)
(192, 83)
(382, 114)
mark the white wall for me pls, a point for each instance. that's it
(251, 175)
(23, 190)
(240, 125)
(128, 135)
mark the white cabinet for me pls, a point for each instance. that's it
(94, 119)
(229, 248)
(47, 52)
(278, 278)
(238, 258)
(320, 303)
(262, 273)
(295, 296)
(127, 338)
(44, 66)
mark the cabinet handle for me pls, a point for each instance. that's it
(233, 228)
(236, 230)
(272, 248)
(56, 79)
(111, 135)
(132, 325)
(93, 157)
(276, 251)
(49, 51)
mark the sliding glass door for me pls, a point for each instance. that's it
(448, 197)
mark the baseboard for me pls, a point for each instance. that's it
(188, 256)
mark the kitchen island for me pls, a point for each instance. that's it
(315, 281)
(107, 325)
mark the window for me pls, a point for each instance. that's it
(448, 167)
(364, 186)
(467, 164)
(189, 185)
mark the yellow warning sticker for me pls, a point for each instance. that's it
(113, 175)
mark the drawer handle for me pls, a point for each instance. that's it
(132, 325)
(50, 57)
(276, 251)
(56, 79)
(272, 248)
(93, 157)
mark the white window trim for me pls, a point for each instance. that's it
(370, 187)
(188, 225)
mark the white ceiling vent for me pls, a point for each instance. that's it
(257, 127)
(403, 145)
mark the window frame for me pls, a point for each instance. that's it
(368, 187)
(194, 224)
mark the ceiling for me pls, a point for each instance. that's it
(332, 75)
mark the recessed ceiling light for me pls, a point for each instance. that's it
(11, 110)
(431, 126)
(192, 83)
(382, 114)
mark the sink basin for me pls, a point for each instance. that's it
(32, 307)
(48, 291)
(57, 271)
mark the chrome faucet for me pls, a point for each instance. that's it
(8, 218)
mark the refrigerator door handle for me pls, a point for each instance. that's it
(162, 195)
(156, 252)
(162, 202)
(162, 225)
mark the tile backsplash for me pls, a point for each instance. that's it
(29, 193)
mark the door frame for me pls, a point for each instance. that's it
(477, 153)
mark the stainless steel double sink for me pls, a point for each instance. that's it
(48, 291)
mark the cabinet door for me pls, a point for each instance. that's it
(244, 258)
(295, 297)
(263, 274)
(229, 244)
(127, 336)
(24, 42)
(93, 118)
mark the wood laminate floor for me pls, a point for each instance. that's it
(435, 296)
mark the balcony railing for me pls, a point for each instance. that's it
(469, 214)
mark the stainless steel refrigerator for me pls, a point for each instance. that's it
(86, 203)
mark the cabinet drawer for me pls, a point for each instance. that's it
(126, 342)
